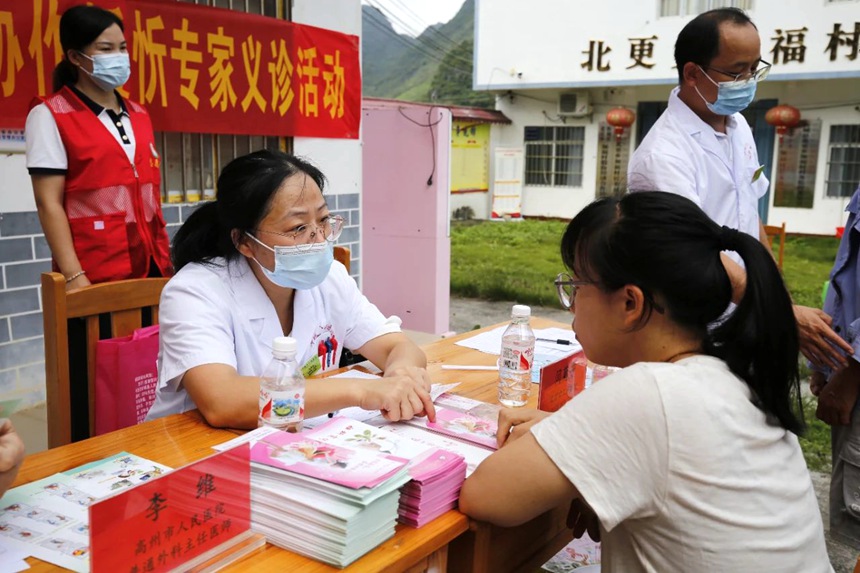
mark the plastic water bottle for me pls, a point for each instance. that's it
(282, 388)
(515, 362)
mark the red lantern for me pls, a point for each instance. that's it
(619, 118)
(782, 117)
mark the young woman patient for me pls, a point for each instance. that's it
(687, 459)
(255, 264)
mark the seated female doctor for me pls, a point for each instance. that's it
(255, 264)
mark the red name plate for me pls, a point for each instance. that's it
(161, 524)
(558, 382)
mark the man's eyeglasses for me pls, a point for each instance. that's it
(304, 236)
(746, 77)
(566, 288)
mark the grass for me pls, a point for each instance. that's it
(517, 261)
(506, 261)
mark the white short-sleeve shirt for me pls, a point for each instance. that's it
(686, 474)
(220, 314)
(45, 149)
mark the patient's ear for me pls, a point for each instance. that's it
(633, 301)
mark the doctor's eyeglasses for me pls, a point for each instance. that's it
(305, 236)
(566, 288)
(745, 77)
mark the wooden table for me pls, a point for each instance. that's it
(486, 548)
(464, 544)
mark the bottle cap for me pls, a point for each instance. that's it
(283, 346)
(521, 310)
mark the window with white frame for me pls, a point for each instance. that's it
(192, 161)
(843, 166)
(694, 7)
(554, 156)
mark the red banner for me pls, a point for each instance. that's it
(199, 69)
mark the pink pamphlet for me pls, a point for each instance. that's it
(465, 427)
(305, 455)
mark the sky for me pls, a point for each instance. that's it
(415, 15)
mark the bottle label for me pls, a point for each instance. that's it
(279, 408)
(519, 357)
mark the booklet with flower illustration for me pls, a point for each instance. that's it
(462, 426)
(310, 454)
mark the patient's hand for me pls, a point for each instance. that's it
(515, 422)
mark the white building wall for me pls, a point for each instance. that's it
(339, 159)
(543, 40)
(534, 52)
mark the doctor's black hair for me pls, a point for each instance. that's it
(699, 40)
(79, 27)
(246, 188)
(668, 247)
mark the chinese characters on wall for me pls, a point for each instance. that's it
(787, 46)
(612, 157)
(797, 163)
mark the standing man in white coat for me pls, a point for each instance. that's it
(703, 148)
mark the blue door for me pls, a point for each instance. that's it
(763, 133)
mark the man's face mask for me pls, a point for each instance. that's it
(732, 97)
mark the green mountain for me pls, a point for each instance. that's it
(434, 67)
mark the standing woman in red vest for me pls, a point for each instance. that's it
(92, 158)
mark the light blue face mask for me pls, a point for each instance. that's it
(110, 71)
(732, 97)
(298, 268)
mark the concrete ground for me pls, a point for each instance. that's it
(468, 314)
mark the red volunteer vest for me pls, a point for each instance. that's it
(113, 206)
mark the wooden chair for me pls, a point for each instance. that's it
(772, 231)
(341, 255)
(122, 302)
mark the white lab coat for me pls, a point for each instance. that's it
(220, 314)
(720, 173)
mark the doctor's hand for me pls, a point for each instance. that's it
(403, 393)
(515, 422)
(11, 454)
(818, 342)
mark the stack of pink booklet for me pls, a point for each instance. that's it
(324, 498)
(434, 489)
(436, 474)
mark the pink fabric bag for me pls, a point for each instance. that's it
(126, 379)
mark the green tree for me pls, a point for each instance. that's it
(452, 83)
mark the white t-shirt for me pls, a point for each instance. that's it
(221, 315)
(686, 474)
